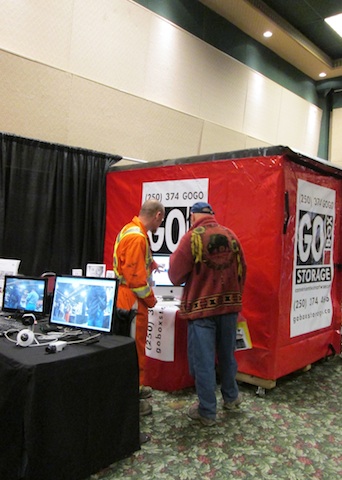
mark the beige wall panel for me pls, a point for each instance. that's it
(262, 108)
(108, 120)
(38, 29)
(310, 142)
(219, 139)
(292, 120)
(336, 137)
(170, 134)
(34, 99)
(110, 42)
(255, 143)
(174, 68)
(299, 125)
(224, 90)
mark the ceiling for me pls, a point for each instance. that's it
(300, 34)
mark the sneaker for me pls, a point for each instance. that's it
(193, 413)
(235, 404)
(145, 408)
(145, 392)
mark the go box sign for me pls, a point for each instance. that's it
(177, 197)
(314, 247)
(313, 267)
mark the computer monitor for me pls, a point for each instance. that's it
(163, 287)
(23, 294)
(86, 303)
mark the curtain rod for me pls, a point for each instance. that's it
(134, 160)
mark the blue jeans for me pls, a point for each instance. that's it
(206, 336)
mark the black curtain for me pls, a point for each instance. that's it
(52, 205)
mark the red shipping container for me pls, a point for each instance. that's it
(286, 210)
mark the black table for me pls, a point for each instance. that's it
(69, 414)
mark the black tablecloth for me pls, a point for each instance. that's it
(69, 414)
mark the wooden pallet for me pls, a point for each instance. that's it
(262, 383)
(257, 381)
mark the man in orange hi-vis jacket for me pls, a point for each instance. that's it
(133, 266)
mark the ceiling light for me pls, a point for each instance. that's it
(336, 23)
(322, 74)
(268, 34)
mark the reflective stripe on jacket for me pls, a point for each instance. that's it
(132, 260)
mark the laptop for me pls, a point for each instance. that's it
(23, 295)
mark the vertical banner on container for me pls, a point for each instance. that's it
(313, 268)
(160, 339)
(177, 196)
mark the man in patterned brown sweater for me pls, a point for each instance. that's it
(210, 261)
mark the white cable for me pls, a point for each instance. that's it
(12, 330)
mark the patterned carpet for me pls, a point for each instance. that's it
(294, 432)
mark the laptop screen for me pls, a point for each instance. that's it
(25, 295)
(86, 303)
(162, 285)
(161, 278)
